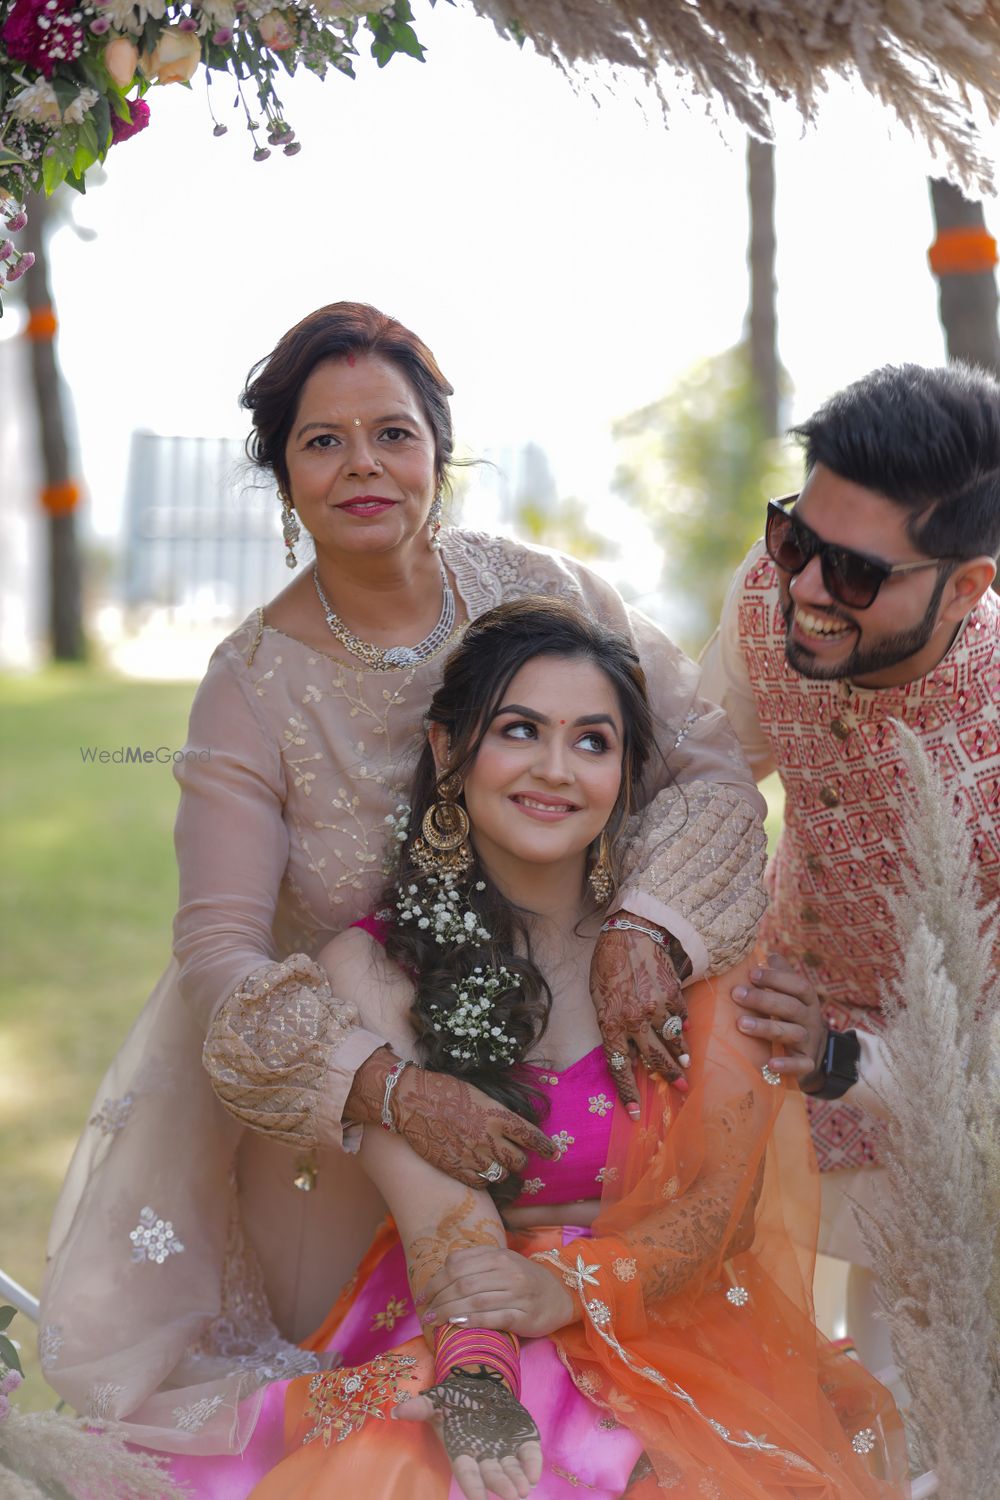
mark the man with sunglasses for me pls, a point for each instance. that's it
(868, 600)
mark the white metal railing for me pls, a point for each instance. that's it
(12, 1292)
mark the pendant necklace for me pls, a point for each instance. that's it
(382, 659)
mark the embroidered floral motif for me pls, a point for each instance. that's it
(50, 1340)
(102, 1400)
(670, 1188)
(562, 1140)
(770, 1076)
(587, 1382)
(863, 1441)
(395, 1308)
(607, 1174)
(624, 1268)
(113, 1115)
(193, 1418)
(532, 1185)
(599, 1311)
(599, 1104)
(573, 1480)
(608, 1424)
(153, 1239)
(341, 1401)
(738, 1296)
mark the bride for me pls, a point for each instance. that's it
(633, 1316)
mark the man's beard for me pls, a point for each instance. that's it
(864, 660)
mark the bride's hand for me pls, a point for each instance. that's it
(636, 993)
(447, 1122)
(490, 1438)
(494, 1288)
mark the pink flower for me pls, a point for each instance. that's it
(24, 263)
(6, 251)
(18, 221)
(43, 33)
(100, 26)
(223, 36)
(122, 130)
(10, 1382)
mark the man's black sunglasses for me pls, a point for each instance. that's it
(849, 577)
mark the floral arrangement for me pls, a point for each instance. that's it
(45, 1455)
(439, 909)
(74, 75)
(471, 1022)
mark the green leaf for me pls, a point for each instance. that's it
(58, 157)
(7, 1314)
(8, 1354)
(66, 91)
(406, 39)
(10, 158)
(101, 114)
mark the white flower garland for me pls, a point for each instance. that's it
(439, 909)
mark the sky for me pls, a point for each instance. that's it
(566, 256)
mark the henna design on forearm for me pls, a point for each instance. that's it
(427, 1253)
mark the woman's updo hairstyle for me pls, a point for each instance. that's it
(274, 385)
(473, 688)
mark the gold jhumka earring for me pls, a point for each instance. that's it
(443, 845)
(599, 875)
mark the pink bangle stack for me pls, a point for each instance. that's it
(469, 1347)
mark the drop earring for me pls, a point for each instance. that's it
(599, 876)
(434, 522)
(290, 529)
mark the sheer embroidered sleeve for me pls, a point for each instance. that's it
(282, 1051)
(696, 868)
(230, 837)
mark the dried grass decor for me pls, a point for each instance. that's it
(925, 59)
(934, 1243)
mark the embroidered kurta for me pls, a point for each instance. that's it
(182, 1252)
(833, 745)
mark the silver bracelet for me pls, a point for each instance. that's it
(625, 924)
(390, 1084)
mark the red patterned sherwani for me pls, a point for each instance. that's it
(833, 745)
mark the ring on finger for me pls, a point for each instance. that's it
(617, 1061)
(494, 1172)
(671, 1028)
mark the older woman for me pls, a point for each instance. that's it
(190, 1254)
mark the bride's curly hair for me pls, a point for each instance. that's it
(475, 682)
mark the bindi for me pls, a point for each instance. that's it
(351, 361)
(357, 421)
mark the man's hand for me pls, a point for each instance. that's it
(490, 1438)
(786, 1010)
(636, 992)
(446, 1121)
(490, 1287)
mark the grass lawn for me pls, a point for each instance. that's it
(87, 894)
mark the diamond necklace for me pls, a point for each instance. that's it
(380, 659)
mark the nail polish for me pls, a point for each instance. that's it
(681, 1085)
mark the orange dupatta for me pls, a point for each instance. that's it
(697, 1326)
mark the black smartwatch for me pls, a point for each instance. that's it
(838, 1068)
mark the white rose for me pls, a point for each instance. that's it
(175, 57)
(38, 105)
(86, 99)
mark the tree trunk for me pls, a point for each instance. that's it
(65, 604)
(966, 278)
(762, 316)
